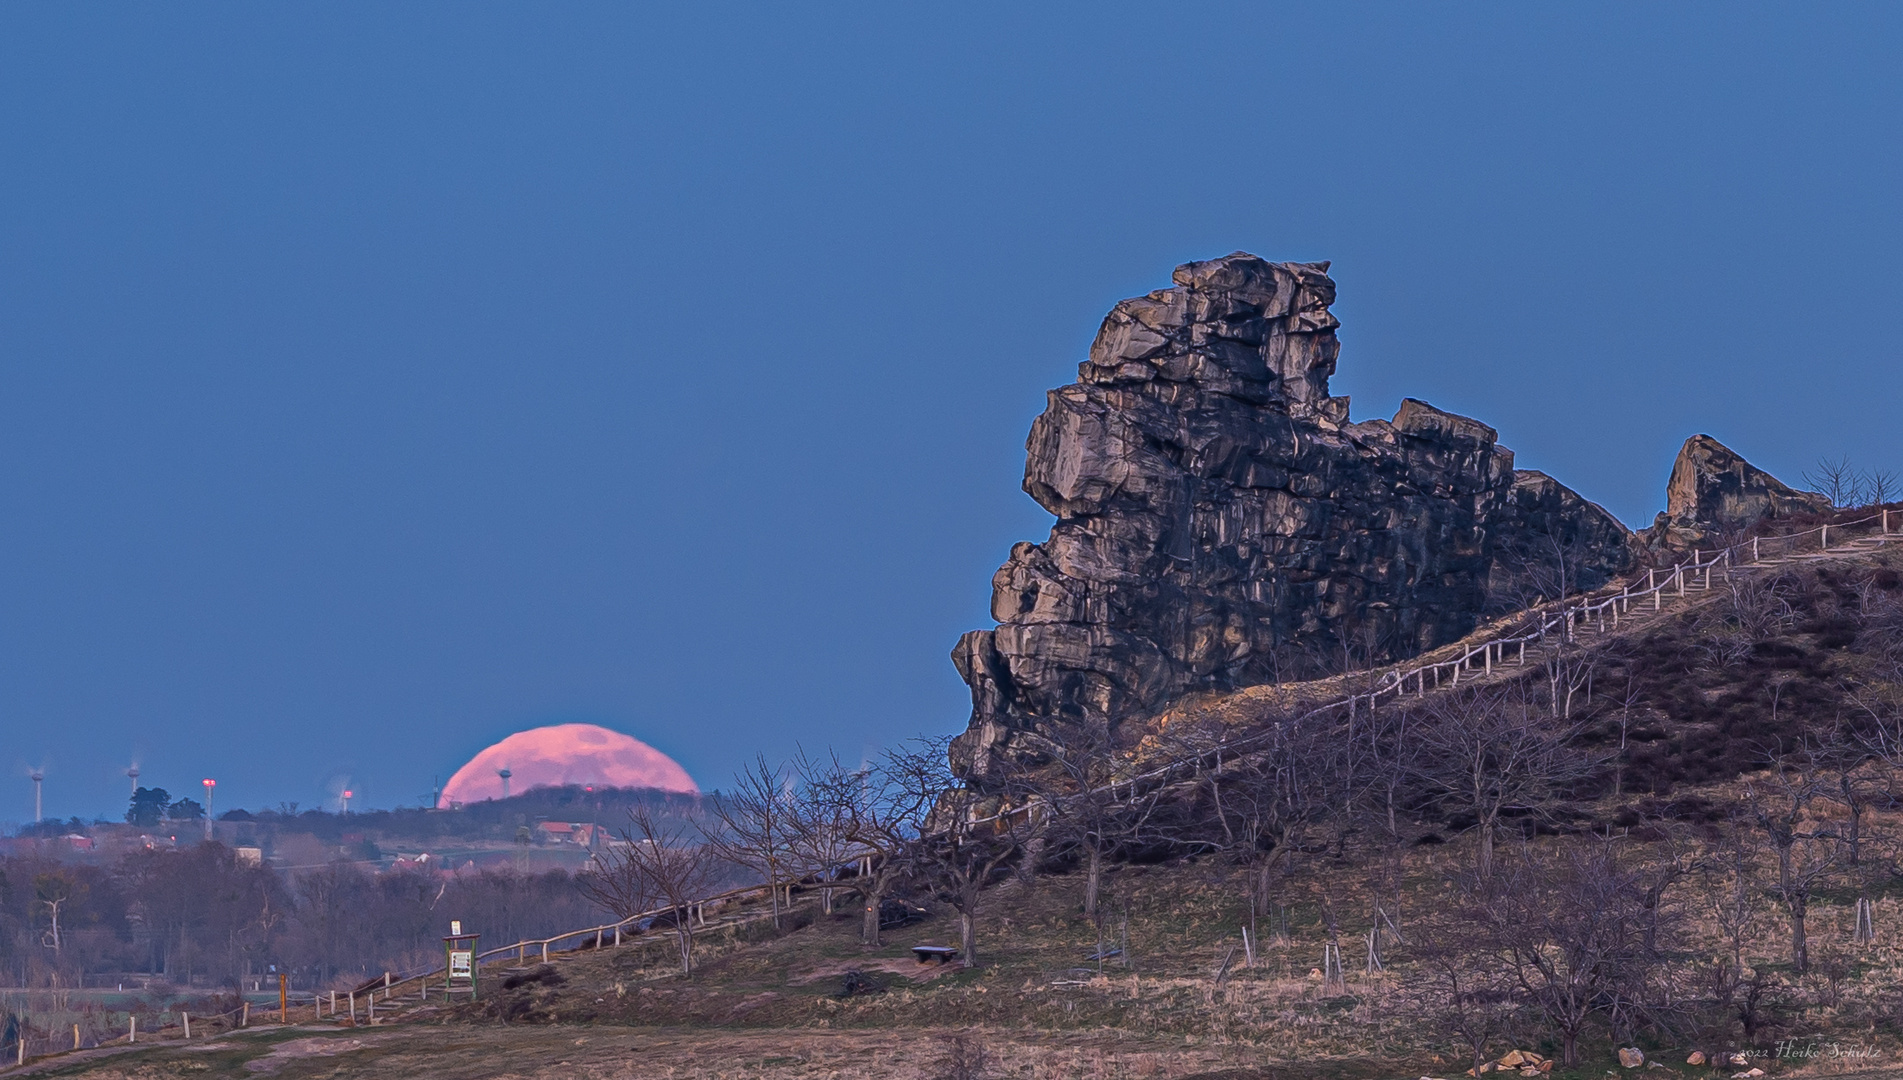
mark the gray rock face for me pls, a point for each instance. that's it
(1714, 494)
(1221, 524)
(1549, 542)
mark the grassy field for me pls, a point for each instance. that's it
(766, 1004)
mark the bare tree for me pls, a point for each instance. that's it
(1881, 486)
(1549, 563)
(615, 883)
(1491, 751)
(826, 809)
(1728, 882)
(1464, 983)
(1574, 929)
(1372, 779)
(1630, 699)
(756, 826)
(1806, 848)
(967, 840)
(1275, 794)
(1837, 480)
(656, 861)
(1081, 804)
(1569, 670)
(895, 798)
(1849, 765)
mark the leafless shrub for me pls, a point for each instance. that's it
(893, 801)
(1880, 618)
(756, 826)
(656, 860)
(1807, 848)
(825, 809)
(1583, 932)
(1464, 986)
(1492, 751)
(966, 1058)
(1847, 486)
(1837, 480)
(1881, 486)
(1082, 805)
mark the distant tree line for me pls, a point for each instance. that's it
(1788, 686)
(199, 915)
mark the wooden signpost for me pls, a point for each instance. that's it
(459, 969)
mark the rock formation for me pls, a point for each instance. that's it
(1715, 494)
(1221, 523)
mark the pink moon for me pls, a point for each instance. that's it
(565, 754)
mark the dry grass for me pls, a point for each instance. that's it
(769, 1008)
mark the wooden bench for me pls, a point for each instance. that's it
(928, 953)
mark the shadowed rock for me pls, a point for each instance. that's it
(1221, 524)
(1715, 494)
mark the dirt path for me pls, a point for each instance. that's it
(611, 1053)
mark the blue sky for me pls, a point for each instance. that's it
(377, 380)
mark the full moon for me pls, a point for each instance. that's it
(565, 754)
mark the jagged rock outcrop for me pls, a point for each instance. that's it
(1715, 495)
(1221, 523)
(1549, 541)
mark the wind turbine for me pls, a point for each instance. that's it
(505, 774)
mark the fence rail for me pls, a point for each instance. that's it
(1602, 611)
(1605, 611)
